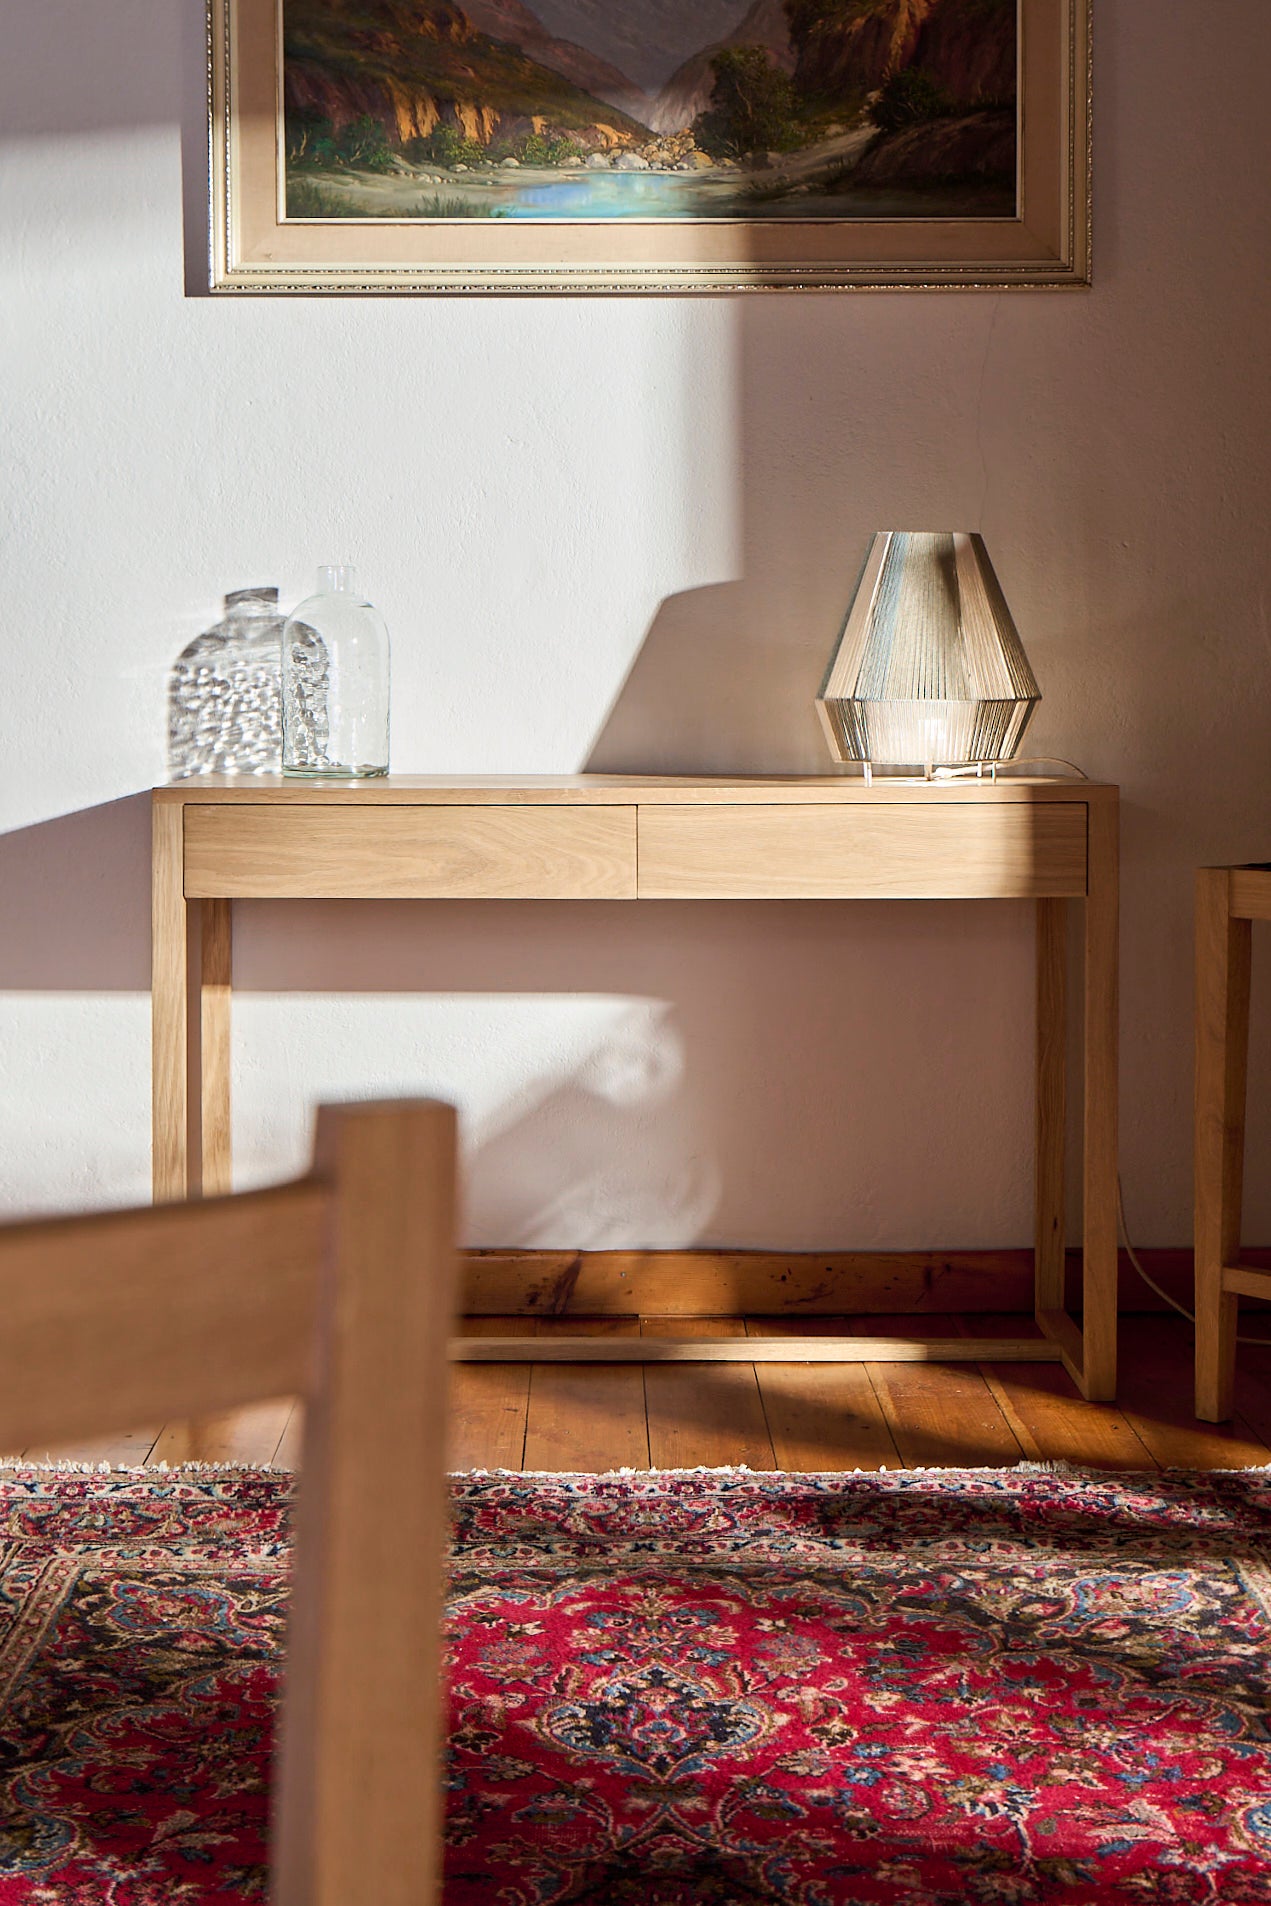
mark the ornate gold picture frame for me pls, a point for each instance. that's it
(353, 179)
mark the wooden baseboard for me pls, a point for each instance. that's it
(781, 1283)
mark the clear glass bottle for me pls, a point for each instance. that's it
(225, 695)
(335, 682)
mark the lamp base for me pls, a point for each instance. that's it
(930, 771)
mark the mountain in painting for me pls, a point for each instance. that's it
(412, 66)
(849, 48)
(691, 87)
(969, 47)
(511, 21)
(646, 38)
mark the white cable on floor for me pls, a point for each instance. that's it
(1151, 1282)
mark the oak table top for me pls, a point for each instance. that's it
(609, 790)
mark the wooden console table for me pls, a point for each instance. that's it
(218, 839)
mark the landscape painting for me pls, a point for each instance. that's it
(647, 146)
(649, 110)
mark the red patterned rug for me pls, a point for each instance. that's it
(937, 1687)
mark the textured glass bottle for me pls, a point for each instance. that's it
(335, 682)
(224, 693)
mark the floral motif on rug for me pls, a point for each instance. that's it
(936, 1687)
(141, 1627)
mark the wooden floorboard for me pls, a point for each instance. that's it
(596, 1417)
(489, 1401)
(704, 1415)
(128, 1449)
(1155, 1392)
(940, 1415)
(248, 1436)
(586, 1416)
(1253, 1391)
(291, 1442)
(1051, 1421)
(822, 1415)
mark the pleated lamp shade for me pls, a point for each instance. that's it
(929, 670)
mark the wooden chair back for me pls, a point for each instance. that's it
(339, 1289)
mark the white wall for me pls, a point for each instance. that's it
(522, 485)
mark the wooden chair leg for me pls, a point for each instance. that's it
(1223, 947)
(1099, 1223)
(360, 1784)
(1051, 1105)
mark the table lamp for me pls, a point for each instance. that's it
(929, 670)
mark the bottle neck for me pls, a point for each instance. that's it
(337, 579)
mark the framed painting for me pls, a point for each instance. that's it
(648, 145)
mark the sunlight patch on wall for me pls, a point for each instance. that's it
(580, 1125)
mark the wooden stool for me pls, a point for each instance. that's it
(1228, 900)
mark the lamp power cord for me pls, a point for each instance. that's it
(974, 771)
(995, 770)
(1150, 1281)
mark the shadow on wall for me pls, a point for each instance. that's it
(727, 677)
(76, 916)
(57, 53)
(74, 1019)
(712, 692)
(51, 94)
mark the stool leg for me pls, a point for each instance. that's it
(1222, 1057)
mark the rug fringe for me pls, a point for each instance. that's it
(744, 1469)
(1023, 1468)
(68, 1467)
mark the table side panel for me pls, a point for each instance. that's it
(963, 850)
(410, 853)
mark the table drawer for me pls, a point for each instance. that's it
(410, 853)
(958, 850)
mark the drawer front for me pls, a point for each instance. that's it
(962, 850)
(384, 852)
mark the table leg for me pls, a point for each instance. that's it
(215, 983)
(1223, 949)
(207, 1070)
(1099, 1268)
(169, 984)
(1051, 1114)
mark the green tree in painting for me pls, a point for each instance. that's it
(446, 145)
(365, 145)
(312, 140)
(541, 148)
(753, 108)
(908, 98)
